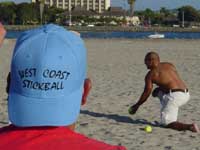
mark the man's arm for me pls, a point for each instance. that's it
(2, 33)
(146, 93)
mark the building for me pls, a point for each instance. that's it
(96, 5)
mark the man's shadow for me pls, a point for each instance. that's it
(118, 118)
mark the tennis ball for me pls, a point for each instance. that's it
(148, 129)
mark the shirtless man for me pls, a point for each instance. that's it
(171, 91)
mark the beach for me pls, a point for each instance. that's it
(116, 68)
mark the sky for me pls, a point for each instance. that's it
(143, 4)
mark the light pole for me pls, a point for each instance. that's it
(70, 18)
(41, 10)
(183, 19)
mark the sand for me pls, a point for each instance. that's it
(117, 70)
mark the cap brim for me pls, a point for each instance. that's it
(25, 111)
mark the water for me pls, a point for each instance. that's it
(129, 35)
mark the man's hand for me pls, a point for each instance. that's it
(132, 110)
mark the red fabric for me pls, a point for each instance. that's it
(48, 138)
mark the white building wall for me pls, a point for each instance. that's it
(98, 5)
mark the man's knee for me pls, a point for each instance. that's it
(167, 119)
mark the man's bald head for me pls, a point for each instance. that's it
(152, 55)
(152, 60)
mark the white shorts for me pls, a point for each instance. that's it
(170, 104)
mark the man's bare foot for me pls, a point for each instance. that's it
(194, 128)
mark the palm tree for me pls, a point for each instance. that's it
(131, 3)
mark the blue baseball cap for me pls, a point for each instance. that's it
(48, 70)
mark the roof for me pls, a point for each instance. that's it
(115, 11)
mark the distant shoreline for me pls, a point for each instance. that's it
(109, 28)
